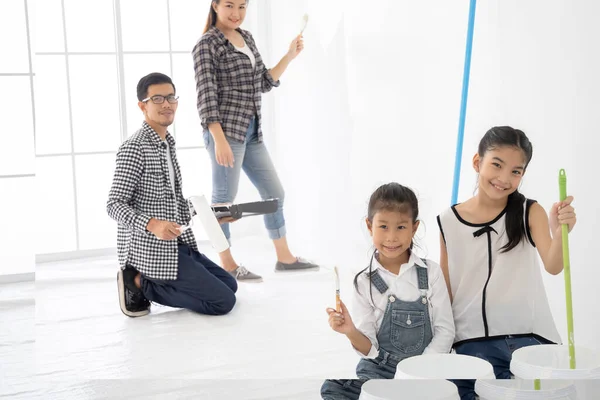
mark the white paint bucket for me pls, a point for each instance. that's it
(444, 366)
(394, 389)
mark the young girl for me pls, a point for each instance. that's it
(230, 79)
(489, 255)
(401, 302)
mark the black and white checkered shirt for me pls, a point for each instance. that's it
(228, 87)
(141, 190)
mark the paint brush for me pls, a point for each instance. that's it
(338, 306)
(304, 23)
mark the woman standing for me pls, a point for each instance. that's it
(230, 78)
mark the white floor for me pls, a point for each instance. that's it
(64, 336)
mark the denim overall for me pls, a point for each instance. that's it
(404, 332)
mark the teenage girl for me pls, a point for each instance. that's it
(489, 255)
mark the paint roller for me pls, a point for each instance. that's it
(200, 208)
(209, 216)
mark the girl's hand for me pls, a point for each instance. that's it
(340, 322)
(223, 153)
(296, 47)
(561, 213)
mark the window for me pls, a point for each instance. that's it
(56, 225)
(17, 251)
(17, 160)
(16, 155)
(13, 26)
(86, 105)
(77, 95)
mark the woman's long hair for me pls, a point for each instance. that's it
(212, 17)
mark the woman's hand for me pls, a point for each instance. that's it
(223, 153)
(296, 47)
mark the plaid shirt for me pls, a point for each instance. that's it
(228, 87)
(141, 190)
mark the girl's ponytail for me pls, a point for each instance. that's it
(515, 222)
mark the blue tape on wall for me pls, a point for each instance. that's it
(463, 103)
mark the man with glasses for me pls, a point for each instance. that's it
(159, 259)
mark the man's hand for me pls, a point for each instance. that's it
(164, 230)
(226, 220)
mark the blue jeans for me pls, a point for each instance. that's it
(254, 159)
(201, 285)
(497, 352)
(342, 389)
(382, 367)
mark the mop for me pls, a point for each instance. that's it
(562, 189)
(562, 185)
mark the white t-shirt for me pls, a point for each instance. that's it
(170, 165)
(247, 51)
(171, 173)
(368, 315)
(494, 293)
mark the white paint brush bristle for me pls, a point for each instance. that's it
(304, 23)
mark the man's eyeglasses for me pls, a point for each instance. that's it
(158, 99)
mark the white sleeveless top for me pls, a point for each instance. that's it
(494, 294)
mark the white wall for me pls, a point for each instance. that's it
(535, 66)
(377, 97)
(361, 110)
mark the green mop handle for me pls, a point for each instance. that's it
(562, 186)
